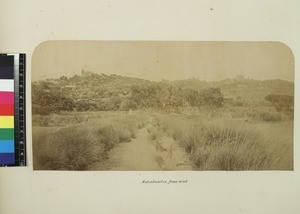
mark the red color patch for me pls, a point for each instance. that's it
(6, 109)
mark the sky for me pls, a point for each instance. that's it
(168, 60)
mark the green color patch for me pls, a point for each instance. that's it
(6, 134)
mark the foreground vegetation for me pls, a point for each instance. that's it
(220, 144)
(78, 147)
(221, 139)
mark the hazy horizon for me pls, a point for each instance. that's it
(192, 78)
(157, 61)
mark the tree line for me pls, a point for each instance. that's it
(47, 100)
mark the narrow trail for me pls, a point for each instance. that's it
(144, 154)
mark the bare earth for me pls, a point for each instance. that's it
(143, 154)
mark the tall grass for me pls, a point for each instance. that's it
(266, 116)
(80, 146)
(221, 145)
(247, 113)
(71, 118)
(225, 148)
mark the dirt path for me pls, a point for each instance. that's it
(144, 154)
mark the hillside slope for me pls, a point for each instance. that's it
(91, 91)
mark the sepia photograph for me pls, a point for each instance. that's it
(162, 106)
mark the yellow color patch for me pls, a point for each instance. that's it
(6, 122)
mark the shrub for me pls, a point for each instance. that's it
(284, 103)
(265, 116)
(78, 147)
(225, 148)
(153, 136)
(108, 136)
(83, 105)
(72, 148)
(212, 97)
(219, 146)
(207, 97)
(268, 116)
(47, 99)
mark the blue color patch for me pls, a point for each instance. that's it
(7, 146)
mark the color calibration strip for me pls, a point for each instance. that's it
(12, 111)
(7, 143)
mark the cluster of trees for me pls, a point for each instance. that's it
(154, 96)
(162, 96)
(47, 100)
(282, 103)
(206, 97)
(48, 97)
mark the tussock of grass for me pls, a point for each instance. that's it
(159, 160)
(153, 136)
(220, 146)
(266, 116)
(78, 147)
(155, 133)
(227, 148)
(67, 149)
(67, 118)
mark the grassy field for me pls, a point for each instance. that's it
(77, 141)
(222, 143)
(213, 139)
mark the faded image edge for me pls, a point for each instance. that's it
(162, 106)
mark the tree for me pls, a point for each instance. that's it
(163, 95)
(115, 103)
(193, 97)
(82, 105)
(144, 97)
(206, 97)
(283, 103)
(63, 78)
(176, 97)
(48, 100)
(212, 97)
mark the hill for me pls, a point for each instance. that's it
(91, 91)
(247, 89)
